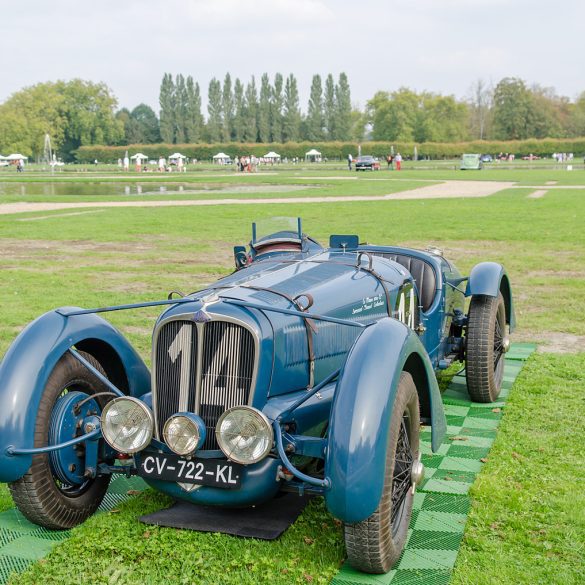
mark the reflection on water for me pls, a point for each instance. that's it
(75, 189)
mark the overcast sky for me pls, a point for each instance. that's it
(441, 46)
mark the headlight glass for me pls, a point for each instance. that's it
(184, 433)
(244, 434)
(127, 424)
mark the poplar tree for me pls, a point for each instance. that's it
(166, 101)
(292, 113)
(227, 106)
(251, 112)
(240, 111)
(194, 121)
(342, 128)
(214, 122)
(276, 106)
(329, 107)
(314, 122)
(264, 109)
(180, 120)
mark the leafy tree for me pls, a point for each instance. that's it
(194, 120)
(342, 127)
(147, 122)
(140, 125)
(393, 116)
(513, 114)
(240, 111)
(276, 109)
(74, 113)
(214, 122)
(251, 112)
(315, 120)
(550, 113)
(228, 109)
(264, 109)
(576, 118)
(329, 108)
(292, 113)
(166, 101)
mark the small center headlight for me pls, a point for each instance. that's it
(127, 424)
(244, 434)
(184, 433)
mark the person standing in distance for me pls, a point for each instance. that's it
(398, 161)
(349, 161)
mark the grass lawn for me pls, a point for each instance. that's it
(527, 521)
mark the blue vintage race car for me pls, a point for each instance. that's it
(309, 369)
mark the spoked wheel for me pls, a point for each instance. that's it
(374, 545)
(55, 493)
(487, 343)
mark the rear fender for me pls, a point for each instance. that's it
(489, 279)
(362, 409)
(31, 358)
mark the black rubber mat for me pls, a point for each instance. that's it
(267, 521)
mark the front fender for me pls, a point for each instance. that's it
(27, 365)
(362, 409)
(489, 279)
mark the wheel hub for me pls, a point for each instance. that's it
(506, 344)
(417, 473)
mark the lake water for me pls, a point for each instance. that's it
(50, 189)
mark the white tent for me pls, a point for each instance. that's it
(272, 155)
(177, 156)
(139, 157)
(221, 158)
(16, 157)
(313, 155)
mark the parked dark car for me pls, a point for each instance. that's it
(367, 163)
(308, 369)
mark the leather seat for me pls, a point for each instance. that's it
(423, 274)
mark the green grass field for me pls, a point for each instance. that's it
(527, 524)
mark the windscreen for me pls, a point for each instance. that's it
(274, 225)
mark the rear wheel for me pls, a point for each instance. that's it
(375, 544)
(486, 344)
(54, 493)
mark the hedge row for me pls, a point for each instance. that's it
(337, 150)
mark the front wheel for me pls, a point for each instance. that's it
(54, 492)
(486, 344)
(375, 544)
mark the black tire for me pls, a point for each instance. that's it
(375, 544)
(484, 353)
(39, 494)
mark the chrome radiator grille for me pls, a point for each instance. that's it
(204, 368)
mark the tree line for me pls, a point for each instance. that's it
(81, 113)
(268, 111)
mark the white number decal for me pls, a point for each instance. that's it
(181, 346)
(406, 317)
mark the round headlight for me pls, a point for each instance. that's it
(244, 434)
(184, 433)
(127, 424)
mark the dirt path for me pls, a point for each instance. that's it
(448, 189)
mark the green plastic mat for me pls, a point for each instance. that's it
(22, 543)
(441, 504)
(440, 507)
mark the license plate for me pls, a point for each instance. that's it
(213, 472)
